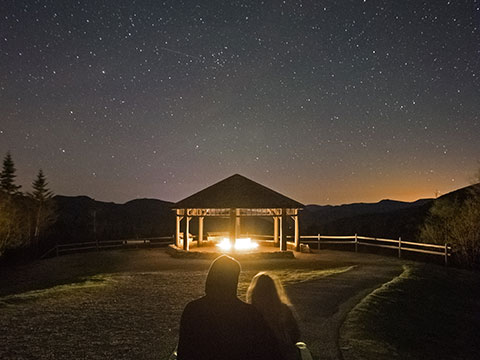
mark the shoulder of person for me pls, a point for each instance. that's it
(247, 308)
(194, 305)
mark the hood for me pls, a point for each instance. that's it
(222, 278)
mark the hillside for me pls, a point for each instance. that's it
(81, 218)
(387, 218)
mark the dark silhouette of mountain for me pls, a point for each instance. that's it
(341, 211)
(81, 218)
(403, 221)
(460, 195)
(386, 219)
(315, 217)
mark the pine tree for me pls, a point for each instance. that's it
(45, 213)
(40, 191)
(10, 213)
(7, 176)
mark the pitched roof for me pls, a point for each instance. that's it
(237, 191)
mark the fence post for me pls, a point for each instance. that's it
(399, 246)
(356, 243)
(446, 254)
(95, 228)
(56, 250)
(318, 246)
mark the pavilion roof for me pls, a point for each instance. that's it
(237, 191)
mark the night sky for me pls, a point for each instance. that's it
(327, 102)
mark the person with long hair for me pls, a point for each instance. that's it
(268, 296)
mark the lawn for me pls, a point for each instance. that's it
(428, 312)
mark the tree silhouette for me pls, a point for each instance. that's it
(457, 221)
(10, 212)
(45, 210)
(7, 176)
(40, 191)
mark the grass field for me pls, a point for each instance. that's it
(127, 305)
(428, 312)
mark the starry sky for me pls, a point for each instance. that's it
(328, 102)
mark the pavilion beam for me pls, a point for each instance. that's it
(283, 235)
(200, 231)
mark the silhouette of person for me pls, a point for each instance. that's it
(267, 295)
(219, 326)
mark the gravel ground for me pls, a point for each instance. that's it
(126, 304)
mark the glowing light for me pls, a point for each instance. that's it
(225, 244)
(241, 244)
(245, 244)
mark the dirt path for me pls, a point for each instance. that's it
(323, 304)
(127, 304)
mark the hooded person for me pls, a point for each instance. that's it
(219, 326)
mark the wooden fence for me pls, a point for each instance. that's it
(399, 245)
(61, 249)
(356, 240)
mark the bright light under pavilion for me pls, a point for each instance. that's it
(236, 197)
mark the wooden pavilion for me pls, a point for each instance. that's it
(237, 197)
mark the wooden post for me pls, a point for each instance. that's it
(275, 230)
(186, 231)
(237, 224)
(446, 254)
(318, 239)
(200, 231)
(233, 226)
(95, 228)
(56, 249)
(280, 231)
(356, 243)
(297, 237)
(400, 247)
(177, 229)
(283, 240)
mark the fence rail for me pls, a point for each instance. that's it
(319, 240)
(395, 244)
(107, 244)
(257, 236)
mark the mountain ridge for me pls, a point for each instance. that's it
(81, 218)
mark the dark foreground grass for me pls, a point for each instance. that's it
(428, 312)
